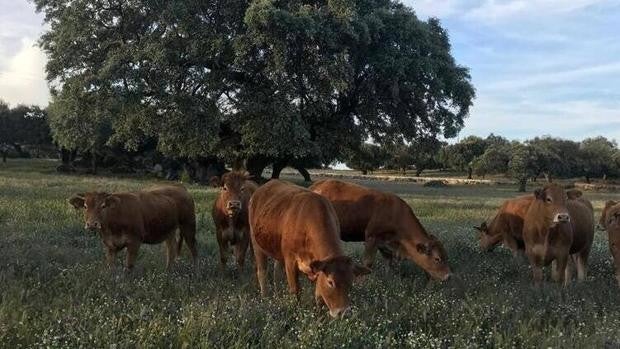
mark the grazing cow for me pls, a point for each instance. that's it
(610, 221)
(151, 216)
(230, 215)
(299, 229)
(506, 226)
(386, 223)
(555, 229)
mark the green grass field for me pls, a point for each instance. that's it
(56, 292)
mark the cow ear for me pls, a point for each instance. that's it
(574, 194)
(247, 175)
(423, 248)
(539, 193)
(77, 200)
(610, 203)
(359, 270)
(318, 266)
(111, 201)
(215, 182)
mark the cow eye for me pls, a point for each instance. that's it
(437, 260)
(85, 206)
(331, 283)
(103, 205)
(225, 188)
(549, 200)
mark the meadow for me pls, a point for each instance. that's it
(56, 292)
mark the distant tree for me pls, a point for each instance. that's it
(495, 159)
(555, 157)
(400, 157)
(522, 164)
(22, 126)
(463, 153)
(367, 158)
(597, 157)
(424, 152)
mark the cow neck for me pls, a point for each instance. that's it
(411, 229)
(537, 222)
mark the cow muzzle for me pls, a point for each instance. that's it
(340, 313)
(92, 226)
(233, 207)
(561, 218)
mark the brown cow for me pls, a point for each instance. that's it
(386, 223)
(556, 228)
(299, 229)
(610, 221)
(151, 216)
(507, 225)
(230, 215)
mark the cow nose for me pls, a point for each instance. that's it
(447, 277)
(234, 204)
(340, 313)
(93, 225)
(561, 217)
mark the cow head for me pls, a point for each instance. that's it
(235, 191)
(96, 207)
(432, 257)
(611, 222)
(334, 278)
(553, 199)
(486, 239)
(602, 222)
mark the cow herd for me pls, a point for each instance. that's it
(301, 230)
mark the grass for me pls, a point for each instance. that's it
(56, 292)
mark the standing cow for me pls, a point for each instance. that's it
(299, 229)
(230, 215)
(610, 221)
(386, 223)
(129, 219)
(556, 229)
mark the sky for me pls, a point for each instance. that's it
(540, 67)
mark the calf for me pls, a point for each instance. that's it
(299, 229)
(506, 226)
(230, 215)
(610, 221)
(386, 223)
(151, 216)
(556, 228)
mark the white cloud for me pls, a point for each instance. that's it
(22, 76)
(434, 8)
(496, 10)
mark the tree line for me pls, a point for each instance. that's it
(24, 132)
(540, 157)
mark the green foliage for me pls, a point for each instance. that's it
(494, 160)
(21, 127)
(597, 157)
(522, 165)
(368, 157)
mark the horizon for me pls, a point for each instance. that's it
(542, 67)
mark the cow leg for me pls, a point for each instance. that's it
(290, 266)
(240, 250)
(171, 251)
(370, 251)
(260, 259)
(537, 272)
(512, 244)
(110, 256)
(132, 254)
(223, 245)
(188, 234)
(278, 269)
(562, 265)
(582, 264)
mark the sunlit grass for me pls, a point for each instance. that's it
(56, 292)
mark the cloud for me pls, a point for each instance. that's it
(496, 10)
(434, 8)
(22, 76)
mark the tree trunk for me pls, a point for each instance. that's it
(304, 173)
(588, 179)
(278, 166)
(93, 162)
(237, 164)
(418, 172)
(4, 157)
(364, 172)
(404, 171)
(469, 172)
(547, 177)
(522, 185)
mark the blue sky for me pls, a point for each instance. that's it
(539, 66)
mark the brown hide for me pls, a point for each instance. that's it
(300, 229)
(556, 228)
(230, 215)
(128, 219)
(385, 222)
(506, 226)
(610, 221)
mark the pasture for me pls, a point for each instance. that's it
(56, 292)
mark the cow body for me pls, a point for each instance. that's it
(230, 215)
(151, 216)
(385, 223)
(556, 229)
(506, 226)
(610, 221)
(299, 229)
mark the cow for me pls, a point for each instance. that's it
(610, 221)
(129, 219)
(299, 229)
(506, 226)
(556, 229)
(384, 222)
(230, 215)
